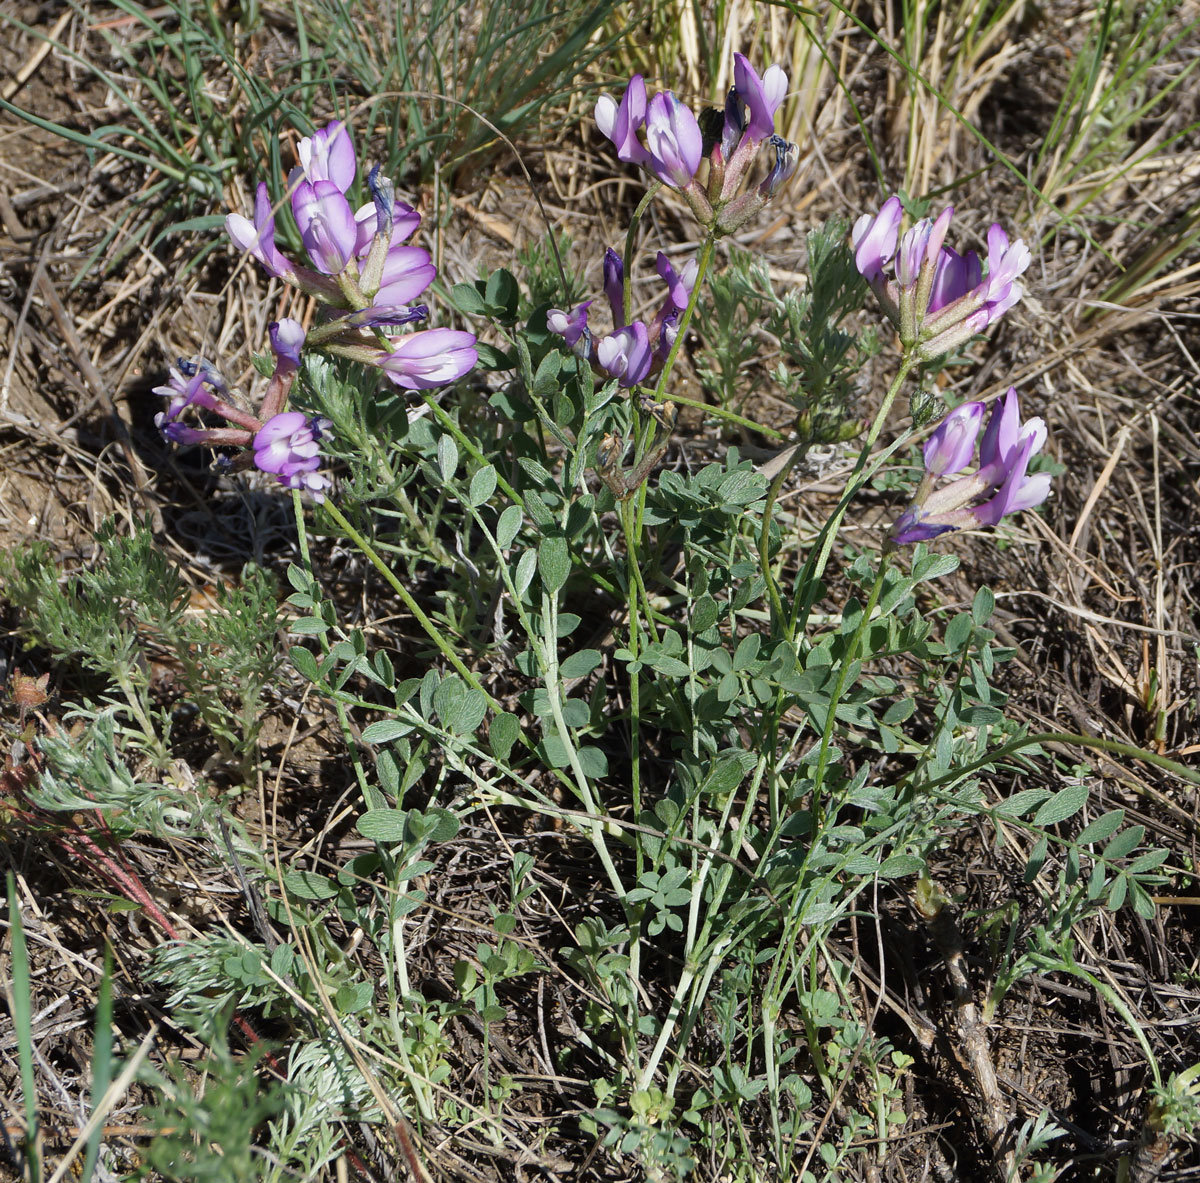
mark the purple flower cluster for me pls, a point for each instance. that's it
(674, 144)
(633, 351)
(283, 443)
(360, 266)
(1000, 486)
(288, 445)
(936, 297)
(359, 261)
(664, 137)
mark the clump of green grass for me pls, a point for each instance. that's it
(440, 88)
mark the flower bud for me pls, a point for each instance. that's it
(922, 406)
(950, 448)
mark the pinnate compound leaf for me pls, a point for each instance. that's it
(1116, 897)
(670, 667)
(1021, 803)
(305, 662)
(502, 735)
(896, 866)
(467, 300)
(1150, 861)
(1143, 903)
(983, 606)
(308, 626)
(483, 485)
(1124, 843)
(447, 453)
(933, 567)
(727, 773)
(594, 762)
(434, 825)
(704, 613)
(507, 526)
(523, 576)
(580, 664)
(1037, 859)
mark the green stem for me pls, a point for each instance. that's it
(418, 525)
(369, 794)
(698, 933)
(431, 630)
(706, 254)
(814, 568)
(633, 583)
(630, 243)
(715, 412)
(848, 660)
(469, 446)
(371, 799)
(591, 805)
(1191, 775)
(631, 522)
(764, 538)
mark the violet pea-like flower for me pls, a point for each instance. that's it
(327, 226)
(614, 284)
(312, 482)
(874, 239)
(938, 298)
(258, 236)
(950, 448)
(625, 354)
(922, 242)
(407, 272)
(787, 160)
(288, 446)
(667, 332)
(1005, 261)
(1019, 490)
(1004, 436)
(429, 358)
(185, 390)
(405, 221)
(621, 122)
(328, 155)
(290, 442)
(762, 96)
(954, 275)
(381, 315)
(673, 140)
(287, 339)
(569, 325)
(679, 283)
(1002, 477)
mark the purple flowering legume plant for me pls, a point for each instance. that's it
(359, 266)
(664, 137)
(939, 299)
